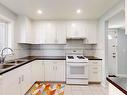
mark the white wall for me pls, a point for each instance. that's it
(5, 13)
(101, 36)
(61, 50)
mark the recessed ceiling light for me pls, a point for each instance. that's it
(39, 11)
(78, 11)
(109, 37)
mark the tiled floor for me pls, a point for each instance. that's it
(85, 90)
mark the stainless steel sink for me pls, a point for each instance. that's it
(5, 66)
(17, 61)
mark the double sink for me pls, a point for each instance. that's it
(11, 64)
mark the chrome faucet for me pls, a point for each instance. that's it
(2, 58)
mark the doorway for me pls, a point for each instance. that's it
(116, 45)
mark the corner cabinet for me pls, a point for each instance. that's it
(23, 29)
(17, 81)
(37, 69)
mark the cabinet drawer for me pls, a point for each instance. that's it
(95, 62)
(95, 68)
(94, 77)
(95, 73)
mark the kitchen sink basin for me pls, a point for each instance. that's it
(5, 66)
(16, 62)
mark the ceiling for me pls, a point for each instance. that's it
(60, 9)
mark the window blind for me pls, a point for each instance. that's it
(3, 35)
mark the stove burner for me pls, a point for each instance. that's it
(80, 57)
(70, 57)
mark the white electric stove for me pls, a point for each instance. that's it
(77, 69)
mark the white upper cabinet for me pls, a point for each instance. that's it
(91, 32)
(76, 29)
(38, 34)
(23, 29)
(60, 33)
(43, 32)
(55, 32)
(48, 32)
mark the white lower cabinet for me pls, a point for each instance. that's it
(17, 81)
(60, 70)
(37, 70)
(94, 71)
(25, 75)
(11, 82)
(49, 70)
(54, 70)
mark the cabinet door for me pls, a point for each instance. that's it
(28, 30)
(61, 33)
(91, 32)
(25, 78)
(37, 71)
(60, 70)
(39, 35)
(24, 29)
(11, 83)
(95, 73)
(49, 70)
(50, 33)
(75, 29)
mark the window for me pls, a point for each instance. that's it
(3, 35)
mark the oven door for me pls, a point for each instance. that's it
(77, 70)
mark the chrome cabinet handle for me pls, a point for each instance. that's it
(19, 80)
(95, 62)
(22, 78)
(95, 68)
(95, 72)
(56, 67)
(53, 67)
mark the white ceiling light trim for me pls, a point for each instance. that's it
(78, 11)
(39, 11)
